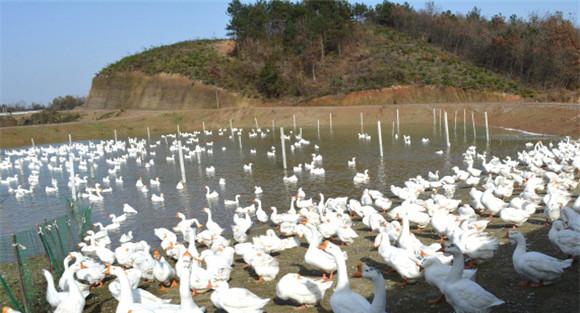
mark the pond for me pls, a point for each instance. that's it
(400, 161)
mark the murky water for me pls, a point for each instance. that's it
(400, 162)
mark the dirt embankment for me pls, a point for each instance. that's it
(560, 119)
(134, 90)
(410, 94)
(163, 91)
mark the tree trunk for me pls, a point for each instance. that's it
(322, 47)
(313, 72)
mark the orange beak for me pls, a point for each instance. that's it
(187, 254)
(108, 270)
(209, 285)
(358, 273)
(83, 266)
(323, 245)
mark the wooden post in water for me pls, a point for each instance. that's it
(115, 136)
(203, 126)
(398, 123)
(473, 124)
(283, 147)
(455, 126)
(181, 165)
(434, 121)
(440, 121)
(294, 121)
(256, 121)
(330, 115)
(69, 140)
(447, 131)
(148, 135)
(73, 187)
(240, 139)
(273, 128)
(231, 129)
(380, 138)
(178, 131)
(486, 128)
(464, 124)
(362, 123)
(393, 130)
(300, 129)
(318, 128)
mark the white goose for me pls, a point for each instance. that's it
(351, 163)
(211, 195)
(536, 267)
(212, 226)
(187, 304)
(157, 198)
(567, 240)
(128, 209)
(379, 303)
(75, 301)
(261, 215)
(235, 202)
(465, 295)
(361, 178)
(237, 300)
(344, 300)
(302, 290)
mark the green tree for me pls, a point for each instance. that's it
(270, 82)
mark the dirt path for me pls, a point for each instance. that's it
(549, 118)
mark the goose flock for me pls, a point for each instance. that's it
(199, 258)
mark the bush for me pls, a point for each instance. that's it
(50, 117)
(66, 103)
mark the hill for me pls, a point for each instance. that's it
(292, 53)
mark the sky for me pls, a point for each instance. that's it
(54, 48)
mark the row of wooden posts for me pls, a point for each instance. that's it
(443, 121)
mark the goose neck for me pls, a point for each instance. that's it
(342, 280)
(456, 271)
(379, 303)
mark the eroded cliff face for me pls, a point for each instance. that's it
(174, 92)
(162, 91)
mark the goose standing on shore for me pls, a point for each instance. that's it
(538, 268)
(344, 299)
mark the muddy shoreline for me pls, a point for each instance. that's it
(544, 118)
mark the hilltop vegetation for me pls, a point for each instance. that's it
(315, 48)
